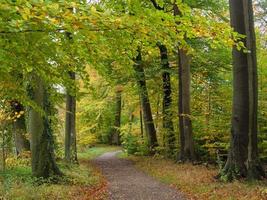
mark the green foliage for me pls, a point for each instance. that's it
(130, 143)
(133, 144)
(99, 41)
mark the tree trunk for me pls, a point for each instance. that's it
(186, 134)
(147, 114)
(168, 128)
(117, 121)
(255, 170)
(243, 155)
(42, 145)
(131, 118)
(70, 126)
(187, 151)
(157, 118)
(19, 127)
(141, 118)
(208, 109)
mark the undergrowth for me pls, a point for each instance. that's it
(81, 181)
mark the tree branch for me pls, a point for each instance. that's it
(156, 5)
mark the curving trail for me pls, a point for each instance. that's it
(125, 182)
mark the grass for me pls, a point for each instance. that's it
(17, 183)
(81, 181)
(197, 182)
(93, 152)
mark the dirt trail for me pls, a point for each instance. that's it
(125, 182)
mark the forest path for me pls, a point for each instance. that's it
(125, 182)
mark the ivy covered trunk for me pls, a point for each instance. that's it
(147, 114)
(169, 138)
(70, 126)
(42, 145)
(117, 121)
(19, 128)
(243, 160)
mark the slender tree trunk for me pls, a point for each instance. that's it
(157, 119)
(141, 118)
(147, 114)
(117, 121)
(19, 127)
(42, 145)
(168, 128)
(3, 147)
(243, 158)
(70, 126)
(187, 151)
(131, 118)
(208, 110)
(70, 122)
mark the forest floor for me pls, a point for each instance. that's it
(103, 174)
(80, 182)
(126, 182)
(197, 182)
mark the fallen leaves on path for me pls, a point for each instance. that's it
(198, 182)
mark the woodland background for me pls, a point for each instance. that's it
(81, 73)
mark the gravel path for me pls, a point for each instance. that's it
(125, 182)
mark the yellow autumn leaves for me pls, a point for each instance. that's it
(7, 117)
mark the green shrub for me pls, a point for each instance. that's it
(135, 145)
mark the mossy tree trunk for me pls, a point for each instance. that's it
(42, 145)
(147, 114)
(70, 126)
(167, 102)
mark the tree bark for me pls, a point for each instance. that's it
(117, 121)
(243, 158)
(168, 128)
(42, 145)
(187, 152)
(141, 118)
(147, 114)
(19, 127)
(186, 135)
(70, 126)
(157, 118)
(255, 170)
